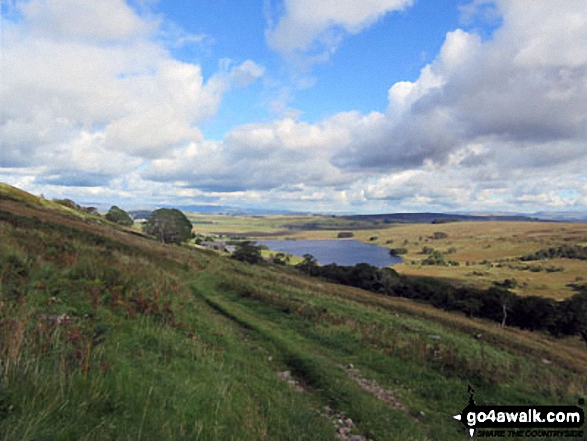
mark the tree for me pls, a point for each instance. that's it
(309, 265)
(247, 252)
(533, 313)
(119, 216)
(281, 259)
(169, 225)
(572, 316)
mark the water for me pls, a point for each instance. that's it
(341, 252)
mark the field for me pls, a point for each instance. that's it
(107, 335)
(486, 252)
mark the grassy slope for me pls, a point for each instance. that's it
(105, 335)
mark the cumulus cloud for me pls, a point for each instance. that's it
(485, 122)
(522, 94)
(306, 24)
(111, 20)
(490, 124)
(87, 88)
(280, 154)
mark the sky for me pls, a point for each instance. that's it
(330, 106)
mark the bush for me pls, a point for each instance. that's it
(119, 216)
(435, 258)
(427, 250)
(345, 235)
(67, 203)
(248, 252)
(568, 317)
(169, 226)
(565, 251)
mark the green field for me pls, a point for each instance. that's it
(105, 335)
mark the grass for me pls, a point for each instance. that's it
(165, 366)
(487, 253)
(107, 335)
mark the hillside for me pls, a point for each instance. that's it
(108, 335)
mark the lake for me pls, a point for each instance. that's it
(342, 252)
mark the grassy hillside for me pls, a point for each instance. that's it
(106, 335)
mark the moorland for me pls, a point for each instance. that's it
(482, 253)
(106, 333)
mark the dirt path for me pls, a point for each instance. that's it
(374, 388)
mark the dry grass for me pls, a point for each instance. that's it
(490, 249)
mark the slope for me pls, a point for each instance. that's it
(106, 335)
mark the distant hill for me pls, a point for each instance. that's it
(140, 214)
(428, 218)
(566, 216)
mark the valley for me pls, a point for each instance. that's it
(106, 334)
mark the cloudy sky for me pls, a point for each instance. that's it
(321, 106)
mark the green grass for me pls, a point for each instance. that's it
(110, 336)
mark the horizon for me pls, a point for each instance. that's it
(396, 106)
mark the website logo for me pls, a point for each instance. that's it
(522, 421)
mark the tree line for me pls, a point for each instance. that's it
(568, 317)
(564, 251)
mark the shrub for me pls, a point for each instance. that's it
(169, 226)
(248, 252)
(397, 251)
(119, 216)
(435, 258)
(427, 250)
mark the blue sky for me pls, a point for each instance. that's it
(332, 106)
(356, 77)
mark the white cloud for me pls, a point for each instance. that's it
(517, 95)
(104, 20)
(490, 124)
(283, 153)
(479, 130)
(307, 22)
(86, 88)
(246, 73)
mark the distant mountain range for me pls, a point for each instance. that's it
(567, 216)
(391, 218)
(427, 218)
(211, 209)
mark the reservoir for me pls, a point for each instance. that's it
(342, 252)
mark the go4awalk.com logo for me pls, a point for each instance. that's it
(522, 421)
